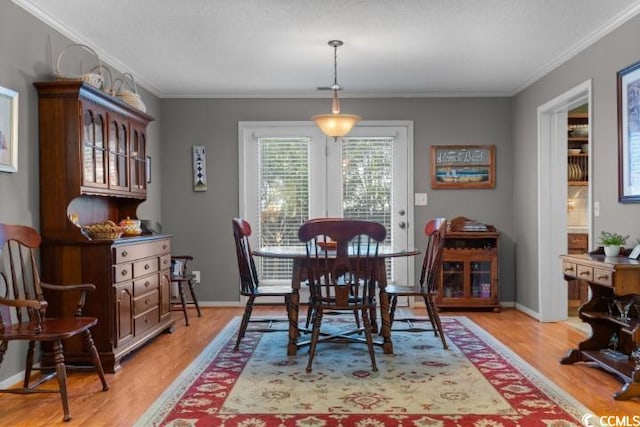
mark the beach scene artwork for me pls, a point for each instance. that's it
(463, 166)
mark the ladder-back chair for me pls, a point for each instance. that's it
(25, 314)
(249, 282)
(435, 230)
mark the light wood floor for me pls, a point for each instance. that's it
(150, 370)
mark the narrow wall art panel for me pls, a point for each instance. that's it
(199, 168)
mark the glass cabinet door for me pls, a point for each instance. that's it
(481, 279)
(93, 149)
(118, 156)
(138, 161)
(453, 279)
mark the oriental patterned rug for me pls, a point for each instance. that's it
(477, 382)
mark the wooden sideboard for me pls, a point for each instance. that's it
(92, 168)
(608, 278)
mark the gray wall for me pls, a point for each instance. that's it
(600, 62)
(201, 222)
(28, 50)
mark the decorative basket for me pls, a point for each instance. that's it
(94, 79)
(107, 230)
(130, 97)
(107, 79)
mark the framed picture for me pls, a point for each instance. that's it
(148, 169)
(463, 166)
(8, 130)
(199, 168)
(635, 253)
(629, 134)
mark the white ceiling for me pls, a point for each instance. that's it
(278, 48)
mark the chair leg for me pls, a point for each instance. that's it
(245, 321)
(392, 309)
(431, 314)
(315, 335)
(29, 364)
(95, 358)
(184, 303)
(58, 359)
(436, 318)
(193, 297)
(367, 332)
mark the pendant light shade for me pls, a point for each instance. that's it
(335, 124)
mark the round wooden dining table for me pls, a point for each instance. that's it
(298, 255)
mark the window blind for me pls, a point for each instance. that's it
(283, 172)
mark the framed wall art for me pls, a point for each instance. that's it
(8, 130)
(199, 168)
(463, 166)
(629, 134)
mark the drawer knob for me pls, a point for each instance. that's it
(147, 266)
(124, 272)
(146, 302)
(164, 246)
(146, 284)
(147, 320)
(124, 253)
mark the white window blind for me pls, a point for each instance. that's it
(367, 178)
(283, 171)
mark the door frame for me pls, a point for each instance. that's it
(552, 198)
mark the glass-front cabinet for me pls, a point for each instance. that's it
(469, 275)
(94, 156)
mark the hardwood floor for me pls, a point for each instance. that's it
(148, 372)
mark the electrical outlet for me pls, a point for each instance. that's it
(596, 208)
(196, 276)
(420, 199)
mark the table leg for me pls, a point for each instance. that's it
(296, 278)
(387, 345)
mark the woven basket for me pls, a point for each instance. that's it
(106, 230)
(130, 97)
(94, 79)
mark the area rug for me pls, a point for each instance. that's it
(476, 382)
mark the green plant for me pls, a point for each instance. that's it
(612, 239)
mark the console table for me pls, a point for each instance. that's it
(608, 278)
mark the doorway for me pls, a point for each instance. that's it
(552, 198)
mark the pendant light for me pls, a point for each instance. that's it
(335, 124)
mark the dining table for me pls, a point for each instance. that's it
(298, 255)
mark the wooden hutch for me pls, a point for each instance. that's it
(469, 274)
(92, 169)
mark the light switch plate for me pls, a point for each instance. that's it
(421, 199)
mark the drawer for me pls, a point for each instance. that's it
(584, 272)
(147, 284)
(569, 268)
(146, 321)
(144, 267)
(603, 277)
(122, 272)
(145, 302)
(165, 262)
(142, 250)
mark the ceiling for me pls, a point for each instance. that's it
(278, 48)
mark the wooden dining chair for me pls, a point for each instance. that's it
(250, 284)
(181, 275)
(24, 314)
(435, 230)
(343, 278)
